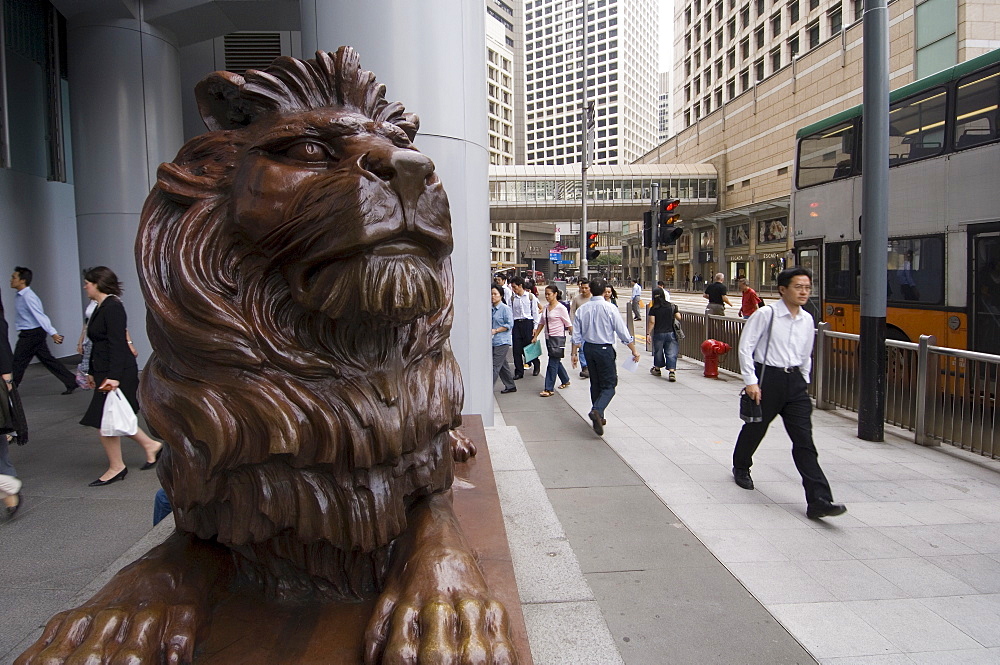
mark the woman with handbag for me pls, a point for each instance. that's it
(661, 320)
(556, 324)
(112, 366)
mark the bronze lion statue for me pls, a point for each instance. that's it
(295, 262)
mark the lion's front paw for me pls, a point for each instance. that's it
(462, 447)
(441, 631)
(149, 634)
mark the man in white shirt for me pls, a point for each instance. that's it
(579, 300)
(636, 295)
(777, 343)
(595, 327)
(526, 317)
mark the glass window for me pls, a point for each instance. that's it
(738, 235)
(916, 127)
(793, 11)
(812, 30)
(842, 270)
(826, 155)
(977, 109)
(772, 230)
(836, 17)
(916, 270)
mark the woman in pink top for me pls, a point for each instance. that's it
(557, 325)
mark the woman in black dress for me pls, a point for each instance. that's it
(112, 365)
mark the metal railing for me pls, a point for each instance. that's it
(942, 395)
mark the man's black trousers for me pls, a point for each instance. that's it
(784, 393)
(31, 344)
(524, 329)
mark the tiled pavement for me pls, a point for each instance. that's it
(911, 574)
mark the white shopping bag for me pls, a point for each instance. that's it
(118, 419)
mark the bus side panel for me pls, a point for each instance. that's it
(912, 322)
(827, 210)
(975, 200)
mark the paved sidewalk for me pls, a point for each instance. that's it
(911, 574)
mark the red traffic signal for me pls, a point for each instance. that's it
(591, 241)
(669, 205)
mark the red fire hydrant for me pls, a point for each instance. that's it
(712, 349)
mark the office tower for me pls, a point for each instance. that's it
(663, 107)
(621, 79)
(501, 82)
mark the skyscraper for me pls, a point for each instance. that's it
(501, 37)
(621, 79)
(663, 107)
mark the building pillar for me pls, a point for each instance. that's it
(432, 58)
(125, 97)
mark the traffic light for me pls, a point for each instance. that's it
(647, 229)
(667, 215)
(592, 251)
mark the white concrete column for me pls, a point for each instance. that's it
(125, 100)
(432, 57)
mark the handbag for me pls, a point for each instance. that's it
(750, 410)
(555, 346)
(118, 418)
(12, 420)
(678, 331)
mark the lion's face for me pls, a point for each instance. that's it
(355, 218)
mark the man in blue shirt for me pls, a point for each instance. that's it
(503, 321)
(594, 327)
(32, 326)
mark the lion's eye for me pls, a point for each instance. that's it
(308, 151)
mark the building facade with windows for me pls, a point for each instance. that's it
(748, 74)
(663, 107)
(501, 77)
(621, 79)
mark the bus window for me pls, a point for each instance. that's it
(841, 269)
(976, 109)
(916, 127)
(916, 271)
(826, 155)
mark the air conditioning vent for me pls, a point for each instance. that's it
(251, 50)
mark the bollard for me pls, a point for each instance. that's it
(711, 349)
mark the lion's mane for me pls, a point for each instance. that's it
(296, 438)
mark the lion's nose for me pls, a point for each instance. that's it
(410, 172)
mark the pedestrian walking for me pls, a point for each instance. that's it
(11, 420)
(775, 361)
(10, 493)
(524, 306)
(508, 294)
(661, 319)
(556, 323)
(750, 302)
(502, 322)
(581, 298)
(715, 293)
(666, 292)
(595, 327)
(33, 326)
(112, 365)
(636, 296)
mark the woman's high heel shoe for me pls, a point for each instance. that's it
(156, 458)
(119, 476)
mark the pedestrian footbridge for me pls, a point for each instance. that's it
(552, 193)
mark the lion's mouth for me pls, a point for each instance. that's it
(401, 247)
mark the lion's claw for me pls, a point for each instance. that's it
(156, 633)
(462, 447)
(469, 631)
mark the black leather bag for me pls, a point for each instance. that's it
(750, 411)
(12, 420)
(554, 346)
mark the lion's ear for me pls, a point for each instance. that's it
(221, 104)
